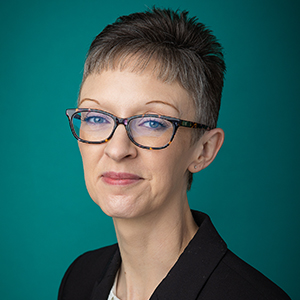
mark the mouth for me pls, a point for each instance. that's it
(116, 178)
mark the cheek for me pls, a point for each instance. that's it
(90, 155)
(169, 167)
(180, 156)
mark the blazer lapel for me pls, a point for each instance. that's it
(190, 273)
(103, 286)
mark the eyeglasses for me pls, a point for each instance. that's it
(148, 131)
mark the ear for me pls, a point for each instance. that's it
(206, 149)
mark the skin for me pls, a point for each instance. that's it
(149, 206)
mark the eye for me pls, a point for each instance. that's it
(96, 119)
(154, 123)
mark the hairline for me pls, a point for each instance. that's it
(139, 68)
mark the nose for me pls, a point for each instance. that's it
(120, 146)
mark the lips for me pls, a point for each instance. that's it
(116, 178)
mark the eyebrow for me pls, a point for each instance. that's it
(147, 103)
(88, 99)
(162, 102)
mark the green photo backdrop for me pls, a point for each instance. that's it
(251, 191)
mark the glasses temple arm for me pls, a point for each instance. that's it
(193, 125)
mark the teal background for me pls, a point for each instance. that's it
(251, 191)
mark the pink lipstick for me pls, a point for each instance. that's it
(115, 178)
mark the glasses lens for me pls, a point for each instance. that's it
(151, 132)
(93, 126)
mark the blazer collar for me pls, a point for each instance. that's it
(103, 286)
(193, 268)
(189, 274)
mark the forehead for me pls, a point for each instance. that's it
(123, 91)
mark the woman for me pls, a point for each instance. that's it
(146, 121)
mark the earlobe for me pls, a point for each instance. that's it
(207, 149)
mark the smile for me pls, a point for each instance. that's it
(114, 178)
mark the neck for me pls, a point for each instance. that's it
(149, 247)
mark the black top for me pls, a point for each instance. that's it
(206, 270)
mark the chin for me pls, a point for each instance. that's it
(118, 206)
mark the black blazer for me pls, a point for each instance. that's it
(206, 270)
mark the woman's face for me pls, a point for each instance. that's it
(124, 180)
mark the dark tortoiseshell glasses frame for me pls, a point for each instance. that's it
(72, 113)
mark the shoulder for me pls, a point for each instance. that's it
(229, 277)
(93, 259)
(85, 271)
(238, 280)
